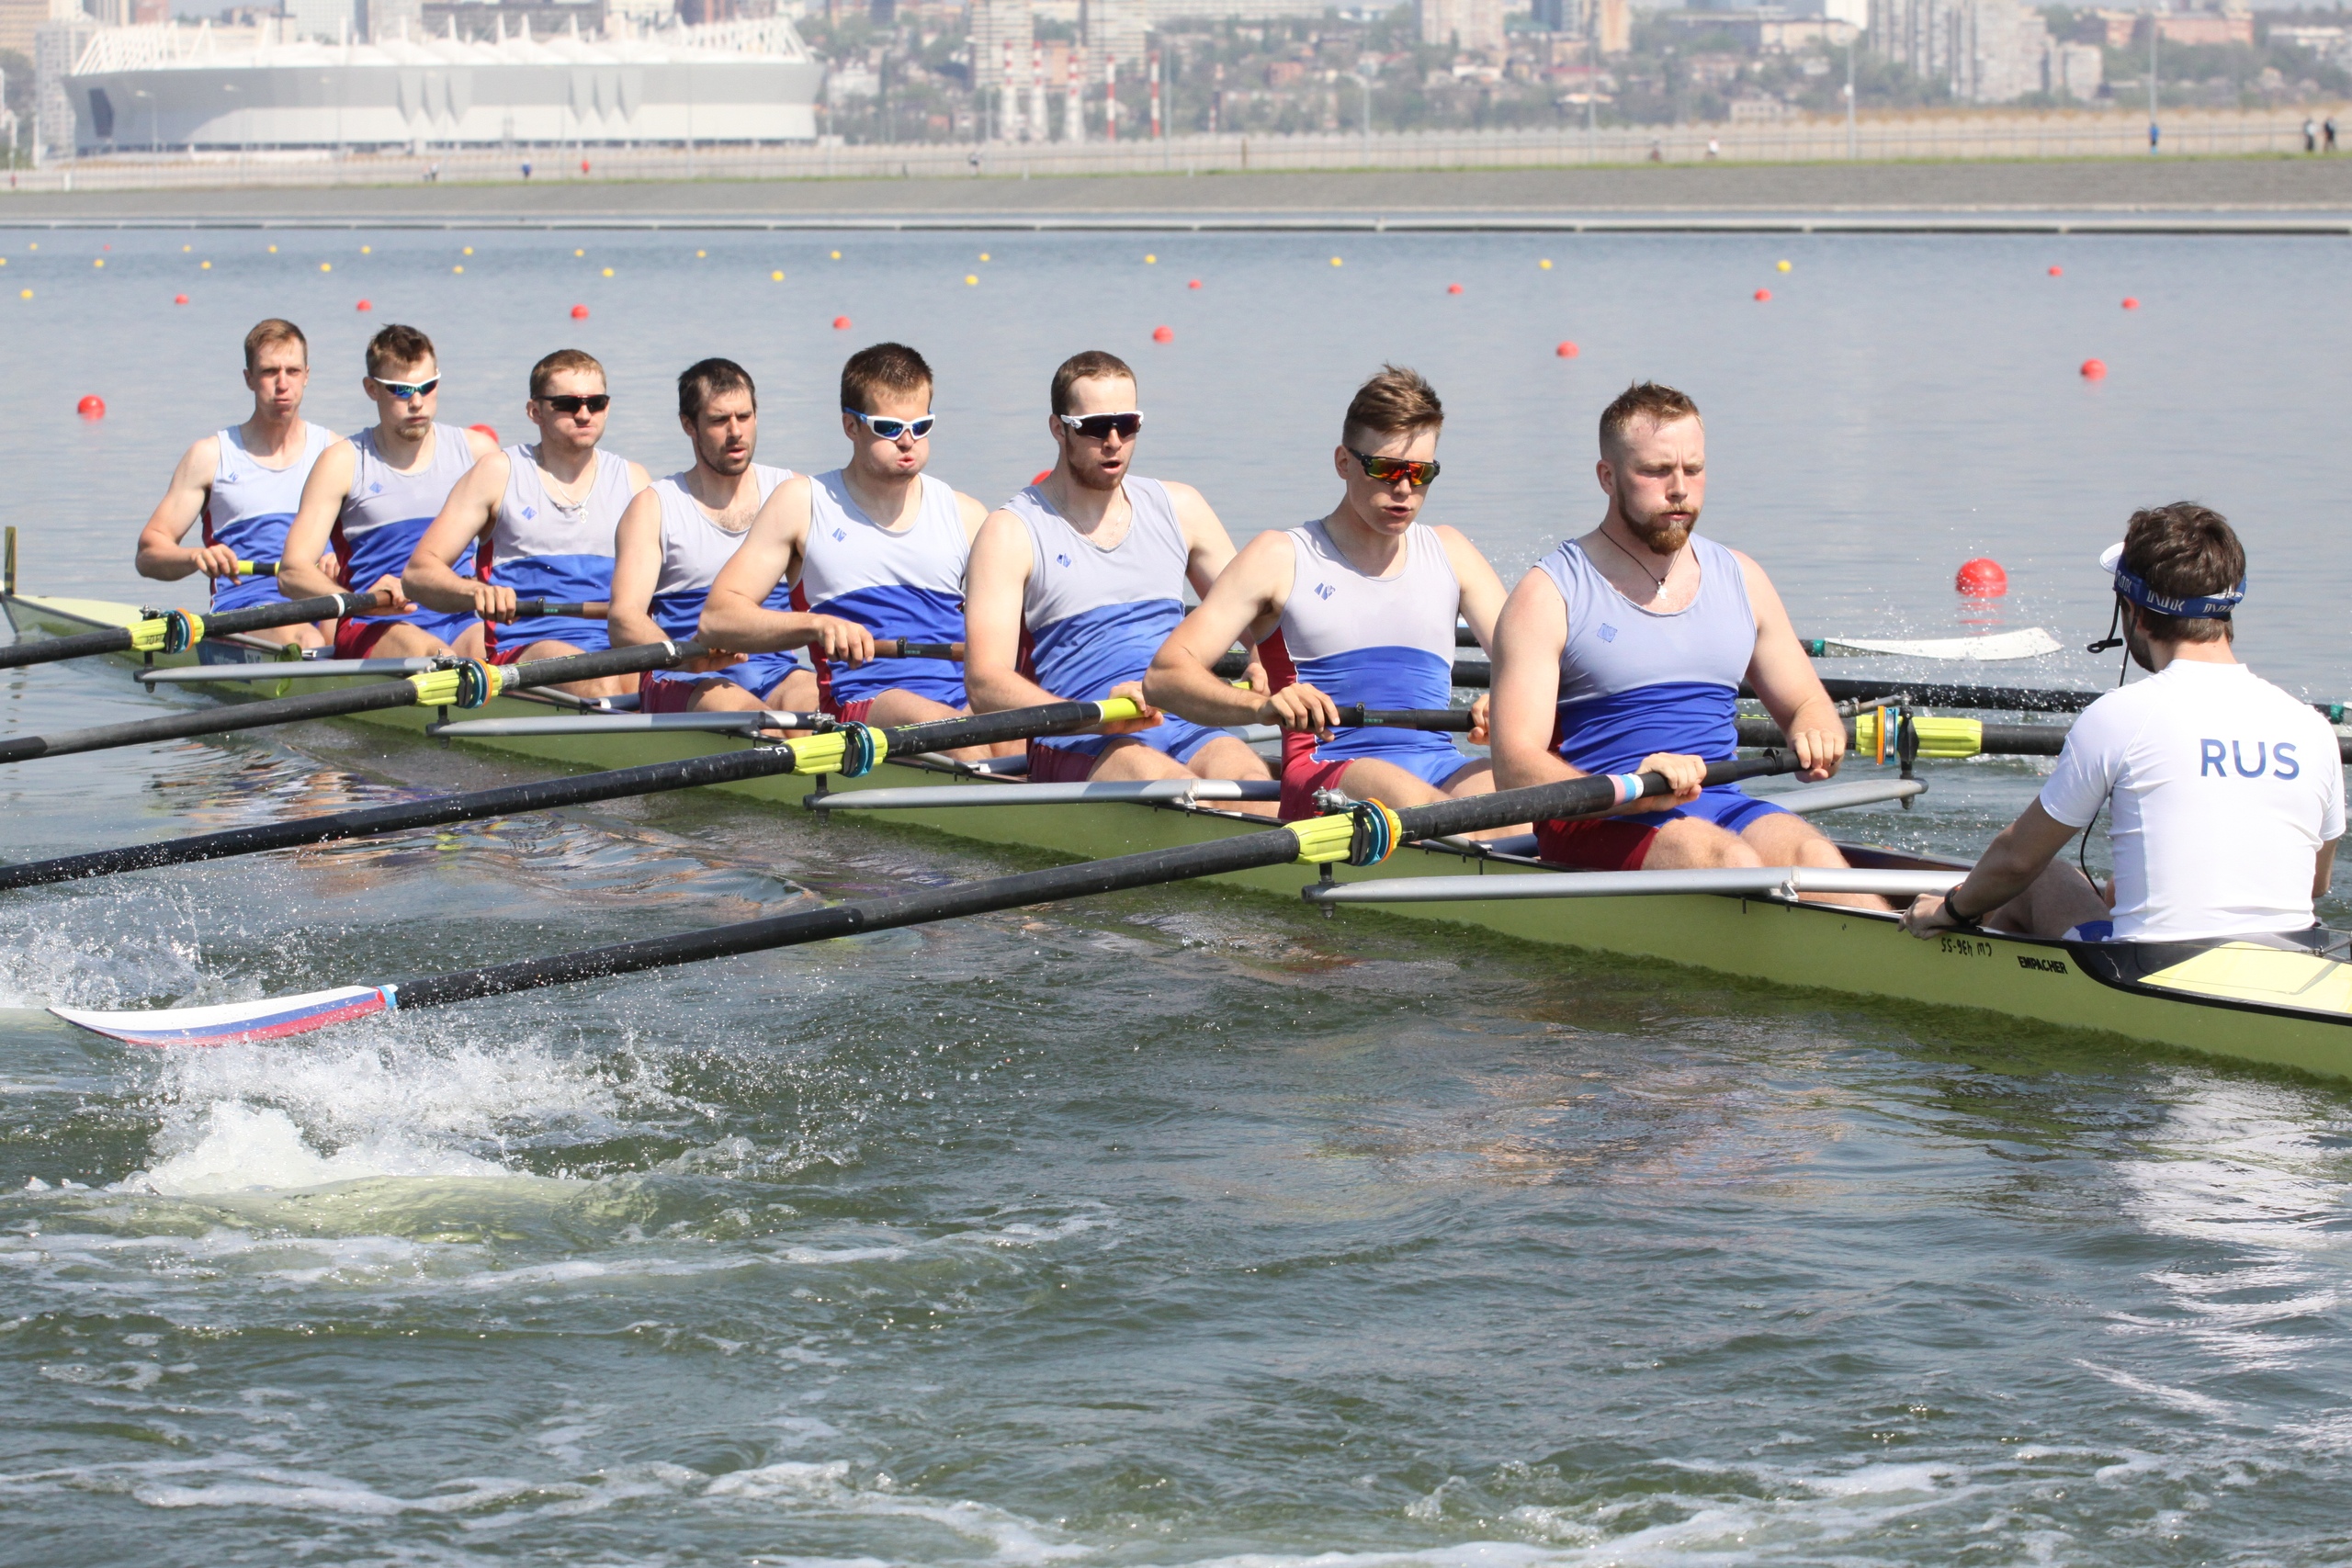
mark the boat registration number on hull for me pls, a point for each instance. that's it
(1972, 947)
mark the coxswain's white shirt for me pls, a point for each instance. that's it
(2225, 788)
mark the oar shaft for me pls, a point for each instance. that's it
(228, 622)
(899, 647)
(1152, 868)
(1469, 674)
(334, 703)
(1357, 716)
(542, 794)
(1999, 740)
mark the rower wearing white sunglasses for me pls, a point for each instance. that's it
(1077, 580)
(873, 549)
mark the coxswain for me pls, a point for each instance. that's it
(244, 483)
(539, 519)
(873, 549)
(372, 496)
(1357, 607)
(679, 533)
(2225, 795)
(1622, 651)
(1077, 579)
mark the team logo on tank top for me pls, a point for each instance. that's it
(1324, 590)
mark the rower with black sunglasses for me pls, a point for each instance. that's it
(874, 549)
(371, 497)
(1077, 580)
(539, 520)
(1356, 607)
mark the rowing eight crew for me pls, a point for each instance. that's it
(1621, 651)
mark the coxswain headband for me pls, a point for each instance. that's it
(2209, 606)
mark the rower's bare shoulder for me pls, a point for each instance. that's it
(480, 445)
(200, 464)
(974, 512)
(639, 477)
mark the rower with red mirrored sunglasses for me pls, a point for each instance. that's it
(1077, 580)
(1357, 607)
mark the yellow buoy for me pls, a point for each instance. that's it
(24, 294)
(699, 254)
(204, 266)
(469, 250)
(367, 249)
(456, 269)
(1545, 263)
(971, 278)
(273, 250)
(984, 255)
(100, 261)
(184, 249)
(776, 277)
(836, 255)
(326, 266)
(1336, 262)
(608, 272)
(1784, 267)
(580, 253)
(1149, 259)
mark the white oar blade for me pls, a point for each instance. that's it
(274, 1017)
(2030, 643)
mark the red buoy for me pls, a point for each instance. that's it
(2057, 272)
(1194, 284)
(179, 298)
(91, 406)
(2129, 303)
(1763, 294)
(491, 431)
(579, 313)
(1567, 351)
(1981, 579)
(583, 165)
(2094, 370)
(1042, 475)
(365, 305)
(1163, 335)
(1453, 288)
(841, 323)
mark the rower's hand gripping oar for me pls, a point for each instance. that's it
(461, 682)
(825, 753)
(176, 631)
(1363, 835)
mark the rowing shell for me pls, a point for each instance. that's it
(2241, 1001)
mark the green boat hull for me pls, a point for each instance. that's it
(2070, 985)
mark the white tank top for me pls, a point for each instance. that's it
(1094, 617)
(694, 548)
(906, 586)
(1634, 681)
(1386, 642)
(543, 548)
(251, 506)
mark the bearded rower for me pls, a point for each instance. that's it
(874, 549)
(244, 483)
(2227, 794)
(1356, 607)
(1077, 579)
(539, 519)
(1623, 652)
(681, 532)
(372, 496)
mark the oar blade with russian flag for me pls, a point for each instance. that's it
(233, 1023)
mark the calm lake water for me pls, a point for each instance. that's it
(1181, 1227)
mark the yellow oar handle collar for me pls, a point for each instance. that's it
(1364, 834)
(1116, 708)
(175, 631)
(1938, 736)
(466, 684)
(852, 751)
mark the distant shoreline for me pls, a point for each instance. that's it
(2254, 195)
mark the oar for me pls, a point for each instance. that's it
(1473, 675)
(463, 683)
(175, 631)
(826, 753)
(1987, 699)
(899, 647)
(1951, 738)
(1361, 836)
